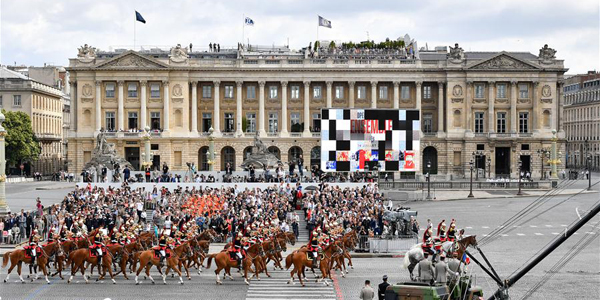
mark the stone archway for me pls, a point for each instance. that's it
(294, 153)
(430, 155)
(275, 150)
(228, 156)
(315, 156)
(203, 159)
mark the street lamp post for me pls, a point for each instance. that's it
(543, 153)
(555, 159)
(211, 148)
(147, 163)
(520, 165)
(428, 180)
(4, 209)
(489, 167)
(471, 185)
(588, 160)
(476, 156)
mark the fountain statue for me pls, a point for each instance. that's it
(260, 157)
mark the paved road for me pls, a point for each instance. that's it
(579, 279)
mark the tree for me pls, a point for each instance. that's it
(21, 144)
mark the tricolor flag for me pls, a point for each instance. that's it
(466, 259)
(249, 22)
(139, 18)
(324, 22)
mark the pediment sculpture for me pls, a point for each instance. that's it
(547, 53)
(502, 62)
(456, 53)
(131, 61)
(86, 53)
(179, 54)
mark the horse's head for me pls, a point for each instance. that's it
(469, 241)
(291, 237)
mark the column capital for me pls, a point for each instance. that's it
(535, 83)
(239, 83)
(261, 84)
(329, 83)
(143, 82)
(165, 83)
(306, 83)
(419, 83)
(440, 83)
(491, 82)
(396, 83)
(216, 83)
(120, 82)
(98, 82)
(73, 82)
(374, 82)
(469, 83)
(351, 84)
(284, 83)
(194, 83)
(514, 83)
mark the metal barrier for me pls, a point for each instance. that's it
(451, 185)
(383, 245)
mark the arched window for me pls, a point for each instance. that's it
(294, 153)
(203, 159)
(275, 151)
(227, 156)
(430, 157)
(315, 156)
(247, 152)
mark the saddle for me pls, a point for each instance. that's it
(94, 253)
(157, 253)
(28, 250)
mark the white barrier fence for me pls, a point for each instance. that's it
(381, 245)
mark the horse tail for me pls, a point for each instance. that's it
(288, 261)
(210, 257)
(406, 262)
(5, 258)
(70, 257)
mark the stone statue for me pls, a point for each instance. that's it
(547, 53)
(105, 154)
(179, 54)
(456, 53)
(86, 53)
(260, 157)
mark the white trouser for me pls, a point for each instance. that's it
(239, 254)
(163, 253)
(99, 250)
(314, 254)
(33, 252)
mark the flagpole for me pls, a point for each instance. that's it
(243, 27)
(134, 21)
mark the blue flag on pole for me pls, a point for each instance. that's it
(139, 18)
(324, 22)
(249, 22)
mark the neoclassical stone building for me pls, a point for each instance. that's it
(504, 104)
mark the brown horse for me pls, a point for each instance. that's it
(300, 261)
(80, 258)
(147, 260)
(223, 261)
(18, 257)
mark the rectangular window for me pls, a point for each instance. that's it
(0, 100)
(273, 127)
(206, 91)
(383, 92)
(317, 92)
(109, 89)
(177, 158)
(155, 120)
(251, 92)
(316, 122)
(523, 122)
(228, 92)
(110, 120)
(405, 92)
(479, 121)
(427, 123)
(229, 122)
(501, 122)
(361, 92)
(206, 121)
(339, 92)
(523, 90)
(132, 90)
(295, 122)
(17, 100)
(501, 91)
(273, 92)
(295, 89)
(457, 158)
(479, 91)
(427, 92)
(251, 122)
(132, 120)
(154, 90)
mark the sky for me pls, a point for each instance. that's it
(34, 32)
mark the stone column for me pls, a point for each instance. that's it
(261, 109)
(513, 107)
(396, 94)
(469, 107)
(238, 131)
(373, 94)
(351, 94)
(121, 110)
(143, 100)
(534, 113)
(216, 110)
(284, 122)
(166, 111)
(98, 106)
(4, 209)
(440, 107)
(491, 101)
(561, 104)
(418, 104)
(73, 108)
(306, 120)
(329, 92)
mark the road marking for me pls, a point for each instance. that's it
(537, 233)
(504, 234)
(485, 227)
(276, 287)
(590, 232)
(468, 227)
(563, 225)
(575, 233)
(549, 226)
(532, 226)
(485, 235)
(517, 226)
(555, 233)
(520, 234)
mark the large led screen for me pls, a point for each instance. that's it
(367, 139)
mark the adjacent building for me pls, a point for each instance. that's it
(582, 120)
(492, 108)
(44, 105)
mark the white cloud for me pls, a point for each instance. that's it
(38, 31)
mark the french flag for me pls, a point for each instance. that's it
(466, 259)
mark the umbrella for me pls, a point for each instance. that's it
(311, 188)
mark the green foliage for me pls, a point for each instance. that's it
(332, 45)
(21, 144)
(317, 45)
(387, 44)
(244, 124)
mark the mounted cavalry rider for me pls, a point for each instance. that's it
(236, 252)
(161, 249)
(428, 242)
(98, 247)
(441, 231)
(33, 248)
(313, 247)
(452, 231)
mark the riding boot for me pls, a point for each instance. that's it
(239, 262)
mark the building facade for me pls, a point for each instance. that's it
(44, 105)
(503, 106)
(582, 120)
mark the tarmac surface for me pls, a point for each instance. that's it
(579, 279)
